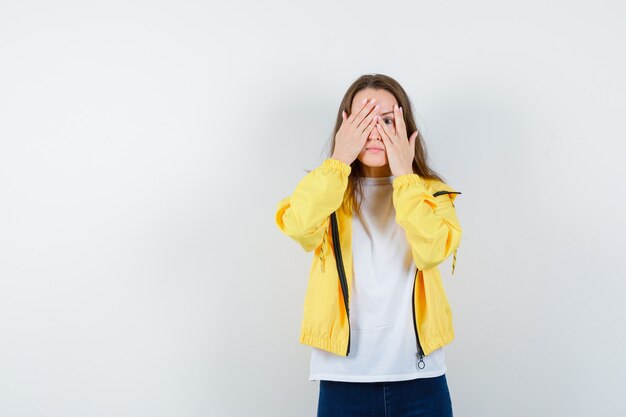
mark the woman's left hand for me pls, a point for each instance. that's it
(400, 150)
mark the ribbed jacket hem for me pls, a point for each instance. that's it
(436, 343)
(324, 343)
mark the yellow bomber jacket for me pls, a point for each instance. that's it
(313, 214)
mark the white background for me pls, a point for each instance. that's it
(144, 146)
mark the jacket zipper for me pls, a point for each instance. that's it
(342, 274)
(344, 289)
(420, 351)
(344, 283)
(445, 192)
(449, 192)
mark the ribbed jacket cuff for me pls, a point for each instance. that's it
(408, 179)
(337, 165)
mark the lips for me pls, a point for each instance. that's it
(374, 149)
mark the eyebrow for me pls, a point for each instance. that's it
(387, 113)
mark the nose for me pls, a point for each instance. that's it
(375, 135)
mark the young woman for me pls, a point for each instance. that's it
(379, 221)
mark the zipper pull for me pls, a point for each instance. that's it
(420, 361)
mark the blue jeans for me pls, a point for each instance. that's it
(423, 397)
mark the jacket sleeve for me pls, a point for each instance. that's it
(428, 219)
(304, 215)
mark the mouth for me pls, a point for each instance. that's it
(374, 150)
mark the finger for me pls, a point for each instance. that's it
(366, 133)
(385, 130)
(359, 120)
(398, 115)
(370, 117)
(343, 115)
(370, 126)
(399, 121)
(354, 114)
(384, 137)
(369, 129)
(368, 114)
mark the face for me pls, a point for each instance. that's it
(374, 162)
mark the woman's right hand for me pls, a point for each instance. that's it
(354, 131)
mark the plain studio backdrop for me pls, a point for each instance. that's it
(144, 146)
